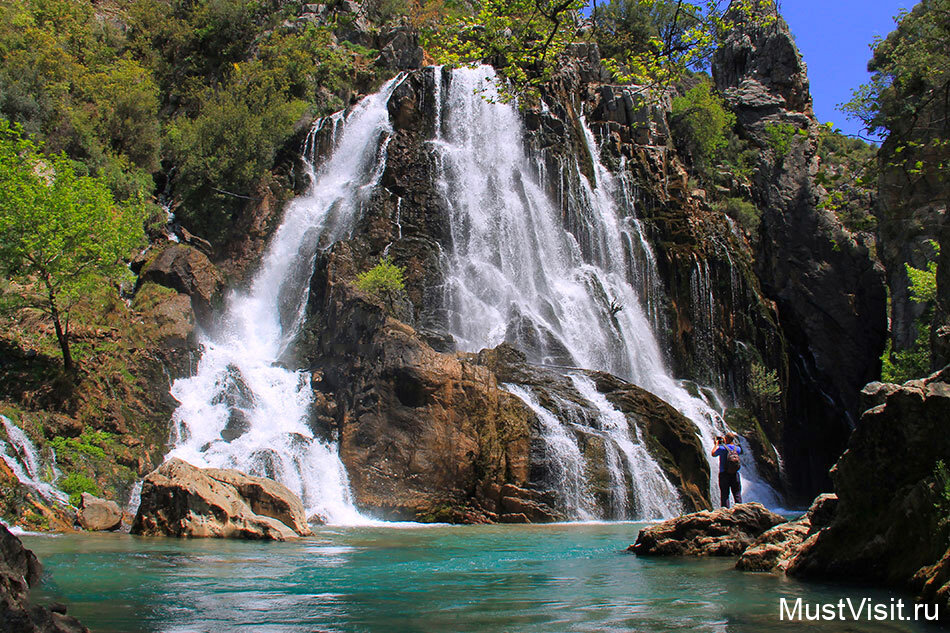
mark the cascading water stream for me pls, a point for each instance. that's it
(550, 280)
(242, 409)
(563, 457)
(24, 460)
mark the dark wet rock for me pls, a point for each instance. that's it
(188, 271)
(20, 570)
(888, 527)
(722, 532)
(181, 500)
(97, 515)
(829, 291)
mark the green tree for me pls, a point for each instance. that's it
(906, 99)
(656, 42)
(764, 384)
(60, 232)
(703, 122)
(521, 38)
(384, 281)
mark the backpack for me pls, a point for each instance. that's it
(732, 461)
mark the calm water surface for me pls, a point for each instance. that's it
(477, 578)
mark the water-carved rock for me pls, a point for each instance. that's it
(182, 500)
(20, 570)
(889, 526)
(775, 549)
(97, 514)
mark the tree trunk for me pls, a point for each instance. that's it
(61, 334)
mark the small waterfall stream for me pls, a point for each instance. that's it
(242, 409)
(22, 457)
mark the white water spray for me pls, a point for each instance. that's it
(242, 409)
(24, 460)
(556, 282)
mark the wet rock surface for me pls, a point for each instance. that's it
(181, 500)
(777, 547)
(20, 570)
(829, 292)
(722, 532)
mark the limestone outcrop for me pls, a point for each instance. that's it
(189, 271)
(20, 570)
(181, 500)
(722, 532)
(777, 547)
(97, 514)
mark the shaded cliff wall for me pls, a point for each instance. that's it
(828, 292)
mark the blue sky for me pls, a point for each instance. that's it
(833, 36)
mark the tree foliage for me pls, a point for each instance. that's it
(764, 384)
(656, 42)
(907, 97)
(521, 38)
(60, 232)
(704, 121)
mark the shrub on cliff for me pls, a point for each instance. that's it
(703, 122)
(385, 281)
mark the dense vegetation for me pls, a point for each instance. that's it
(193, 100)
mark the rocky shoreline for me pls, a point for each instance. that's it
(887, 524)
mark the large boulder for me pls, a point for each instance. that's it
(20, 570)
(97, 514)
(181, 500)
(266, 497)
(188, 271)
(777, 547)
(889, 527)
(722, 532)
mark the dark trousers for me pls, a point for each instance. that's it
(727, 482)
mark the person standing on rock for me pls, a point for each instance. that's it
(728, 451)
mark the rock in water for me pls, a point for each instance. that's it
(182, 500)
(19, 570)
(97, 514)
(722, 532)
(888, 528)
(267, 498)
(775, 549)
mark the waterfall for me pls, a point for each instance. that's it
(24, 460)
(558, 282)
(242, 409)
(562, 458)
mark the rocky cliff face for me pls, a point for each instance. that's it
(891, 524)
(829, 294)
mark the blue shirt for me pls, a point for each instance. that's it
(722, 450)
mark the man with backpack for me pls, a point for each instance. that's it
(728, 451)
